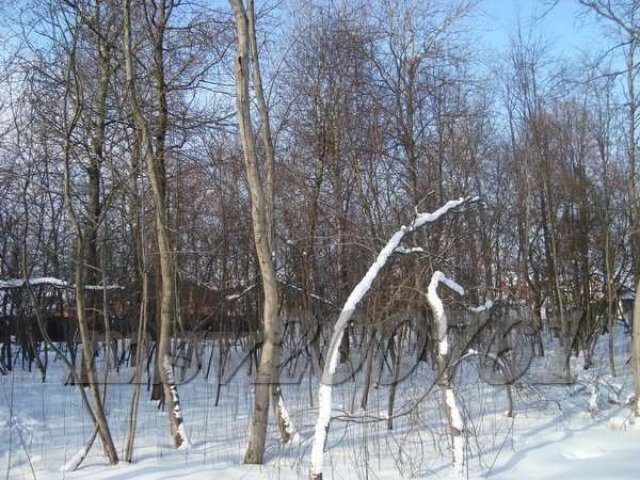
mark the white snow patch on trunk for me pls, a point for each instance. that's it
(74, 462)
(324, 417)
(443, 345)
(288, 423)
(177, 414)
(438, 307)
(458, 425)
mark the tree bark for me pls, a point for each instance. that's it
(154, 158)
(635, 351)
(83, 236)
(271, 326)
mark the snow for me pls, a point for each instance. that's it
(324, 416)
(554, 434)
(458, 424)
(312, 295)
(74, 462)
(355, 297)
(288, 422)
(407, 251)
(574, 450)
(424, 218)
(488, 305)
(20, 282)
(438, 307)
(177, 414)
(557, 430)
(236, 296)
(100, 287)
(51, 281)
(443, 344)
(440, 318)
(421, 219)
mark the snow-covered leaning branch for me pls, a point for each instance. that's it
(358, 293)
(452, 412)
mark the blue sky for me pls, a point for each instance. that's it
(567, 32)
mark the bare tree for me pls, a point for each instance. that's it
(624, 17)
(272, 329)
(356, 296)
(155, 163)
(85, 223)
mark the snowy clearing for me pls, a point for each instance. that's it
(558, 431)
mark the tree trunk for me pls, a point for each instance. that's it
(370, 354)
(271, 326)
(137, 377)
(635, 350)
(397, 364)
(154, 158)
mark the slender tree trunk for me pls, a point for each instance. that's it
(81, 256)
(136, 221)
(85, 336)
(265, 124)
(396, 375)
(285, 424)
(611, 318)
(271, 326)
(636, 350)
(137, 377)
(554, 280)
(370, 355)
(154, 158)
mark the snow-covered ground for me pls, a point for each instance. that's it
(581, 431)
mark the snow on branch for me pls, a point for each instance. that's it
(51, 281)
(454, 418)
(408, 251)
(424, 218)
(312, 295)
(439, 277)
(21, 282)
(358, 293)
(438, 307)
(488, 305)
(237, 296)
(100, 287)
(74, 462)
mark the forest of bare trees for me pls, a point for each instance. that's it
(179, 171)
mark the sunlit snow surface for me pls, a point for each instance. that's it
(556, 432)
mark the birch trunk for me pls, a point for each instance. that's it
(285, 424)
(154, 158)
(397, 364)
(101, 422)
(271, 326)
